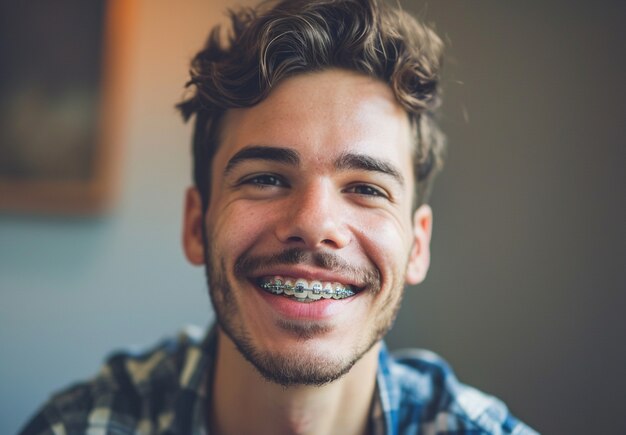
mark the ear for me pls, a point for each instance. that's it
(192, 227)
(419, 257)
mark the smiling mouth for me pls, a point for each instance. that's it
(302, 290)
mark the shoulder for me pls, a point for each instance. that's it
(428, 397)
(131, 390)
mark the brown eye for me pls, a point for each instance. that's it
(265, 180)
(366, 190)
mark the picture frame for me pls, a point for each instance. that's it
(62, 105)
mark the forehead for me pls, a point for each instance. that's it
(322, 115)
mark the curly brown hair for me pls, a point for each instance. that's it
(279, 39)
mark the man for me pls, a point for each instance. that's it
(314, 153)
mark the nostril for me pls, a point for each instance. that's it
(295, 239)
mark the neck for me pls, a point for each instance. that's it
(245, 402)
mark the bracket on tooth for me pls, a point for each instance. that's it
(299, 290)
(344, 293)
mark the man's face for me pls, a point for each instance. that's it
(311, 188)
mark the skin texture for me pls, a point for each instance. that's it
(306, 205)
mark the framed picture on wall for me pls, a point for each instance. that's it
(61, 104)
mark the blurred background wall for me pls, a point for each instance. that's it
(526, 292)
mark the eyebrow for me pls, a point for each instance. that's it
(368, 163)
(288, 156)
(262, 152)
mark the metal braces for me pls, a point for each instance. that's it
(300, 290)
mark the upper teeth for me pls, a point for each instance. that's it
(303, 290)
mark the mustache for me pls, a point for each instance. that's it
(247, 265)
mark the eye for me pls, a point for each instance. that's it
(366, 190)
(265, 180)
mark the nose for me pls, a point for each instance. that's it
(315, 218)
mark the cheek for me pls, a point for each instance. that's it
(236, 227)
(387, 243)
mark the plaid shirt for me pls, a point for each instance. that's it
(164, 391)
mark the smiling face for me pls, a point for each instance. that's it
(309, 233)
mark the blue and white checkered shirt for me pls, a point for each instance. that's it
(164, 391)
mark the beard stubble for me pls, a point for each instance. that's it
(292, 368)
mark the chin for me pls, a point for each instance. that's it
(309, 362)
